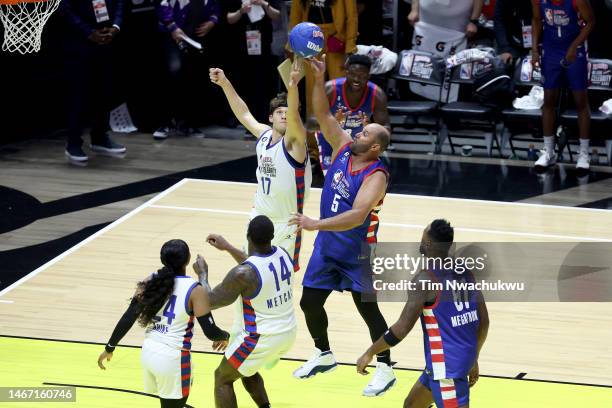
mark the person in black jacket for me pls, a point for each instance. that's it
(92, 30)
(513, 28)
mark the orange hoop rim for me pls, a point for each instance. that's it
(14, 2)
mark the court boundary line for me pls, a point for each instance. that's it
(425, 197)
(502, 377)
(96, 387)
(401, 225)
(90, 238)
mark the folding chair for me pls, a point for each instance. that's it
(468, 115)
(417, 115)
(600, 89)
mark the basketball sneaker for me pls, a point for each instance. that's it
(75, 154)
(320, 362)
(382, 381)
(162, 133)
(107, 147)
(584, 160)
(546, 159)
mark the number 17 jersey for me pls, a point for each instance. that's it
(283, 182)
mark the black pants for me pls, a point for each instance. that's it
(186, 88)
(89, 70)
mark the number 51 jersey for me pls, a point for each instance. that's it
(282, 183)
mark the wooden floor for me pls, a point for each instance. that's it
(81, 294)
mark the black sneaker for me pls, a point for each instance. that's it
(162, 133)
(192, 132)
(76, 154)
(108, 147)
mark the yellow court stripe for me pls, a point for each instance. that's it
(25, 362)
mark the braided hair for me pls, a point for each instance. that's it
(154, 292)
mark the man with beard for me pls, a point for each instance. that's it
(352, 196)
(355, 101)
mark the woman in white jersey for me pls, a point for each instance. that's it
(166, 304)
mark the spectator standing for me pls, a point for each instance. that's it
(186, 66)
(253, 33)
(90, 47)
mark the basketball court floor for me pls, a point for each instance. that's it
(55, 320)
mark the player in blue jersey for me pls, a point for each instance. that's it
(455, 326)
(353, 100)
(352, 196)
(563, 27)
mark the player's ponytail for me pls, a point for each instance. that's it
(154, 292)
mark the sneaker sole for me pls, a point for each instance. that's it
(381, 392)
(318, 370)
(107, 151)
(77, 159)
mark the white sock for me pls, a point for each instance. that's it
(584, 145)
(549, 144)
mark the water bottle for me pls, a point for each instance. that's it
(531, 153)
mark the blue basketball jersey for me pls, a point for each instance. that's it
(366, 105)
(339, 192)
(450, 327)
(561, 23)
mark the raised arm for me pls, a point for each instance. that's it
(223, 245)
(371, 192)
(295, 136)
(401, 328)
(240, 109)
(333, 132)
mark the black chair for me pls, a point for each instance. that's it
(600, 89)
(417, 115)
(521, 120)
(468, 115)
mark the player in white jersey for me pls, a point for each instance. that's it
(167, 303)
(283, 167)
(262, 283)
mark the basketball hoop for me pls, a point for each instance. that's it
(23, 22)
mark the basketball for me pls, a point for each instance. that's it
(306, 40)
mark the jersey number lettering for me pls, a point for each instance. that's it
(265, 180)
(335, 203)
(461, 299)
(284, 275)
(169, 309)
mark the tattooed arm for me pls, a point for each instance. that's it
(240, 280)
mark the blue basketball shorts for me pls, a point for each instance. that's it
(449, 392)
(324, 272)
(556, 76)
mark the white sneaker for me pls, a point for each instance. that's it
(546, 159)
(320, 362)
(382, 381)
(584, 160)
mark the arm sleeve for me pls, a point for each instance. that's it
(124, 325)
(119, 8)
(210, 328)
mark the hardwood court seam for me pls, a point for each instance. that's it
(95, 387)
(518, 377)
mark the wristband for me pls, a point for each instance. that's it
(109, 349)
(390, 338)
(474, 21)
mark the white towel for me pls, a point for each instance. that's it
(534, 100)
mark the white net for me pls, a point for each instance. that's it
(23, 23)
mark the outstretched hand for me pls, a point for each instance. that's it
(217, 76)
(317, 66)
(219, 242)
(296, 72)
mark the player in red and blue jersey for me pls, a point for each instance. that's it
(455, 325)
(352, 196)
(353, 100)
(563, 26)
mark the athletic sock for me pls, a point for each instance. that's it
(322, 343)
(549, 144)
(384, 357)
(584, 145)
